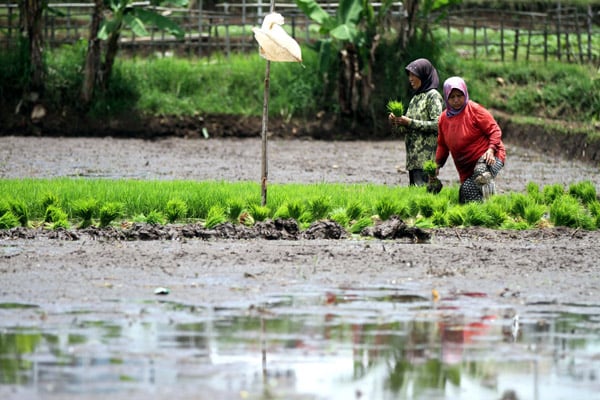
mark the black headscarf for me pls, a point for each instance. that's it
(426, 72)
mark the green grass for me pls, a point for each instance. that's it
(64, 202)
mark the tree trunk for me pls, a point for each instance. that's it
(31, 25)
(92, 61)
(112, 47)
(408, 30)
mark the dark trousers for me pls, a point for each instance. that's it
(417, 177)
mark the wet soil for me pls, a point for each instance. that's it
(66, 267)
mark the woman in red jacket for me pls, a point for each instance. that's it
(468, 132)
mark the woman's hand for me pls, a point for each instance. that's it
(403, 120)
(489, 157)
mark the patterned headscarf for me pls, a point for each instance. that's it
(455, 82)
(426, 72)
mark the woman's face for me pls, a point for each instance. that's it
(456, 99)
(415, 81)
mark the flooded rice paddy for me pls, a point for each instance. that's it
(345, 343)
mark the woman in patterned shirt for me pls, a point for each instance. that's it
(420, 122)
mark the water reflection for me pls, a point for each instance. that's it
(344, 344)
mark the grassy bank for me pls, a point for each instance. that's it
(62, 202)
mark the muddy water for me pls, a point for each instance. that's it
(79, 320)
(367, 343)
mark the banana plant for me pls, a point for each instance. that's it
(350, 37)
(121, 14)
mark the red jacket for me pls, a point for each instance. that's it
(467, 136)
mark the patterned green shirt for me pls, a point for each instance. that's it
(424, 110)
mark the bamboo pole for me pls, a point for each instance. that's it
(265, 122)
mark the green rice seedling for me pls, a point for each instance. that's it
(234, 209)
(8, 220)
(456, 216)
(413, 207)
(427, 204)
(361, 224)
(61, 223)
(54, 213)
(339, 215)
(258, 212)
(496, 214)
(176, 209)
(439, 218)
(295, 209)
(395, 107)
(534, 213)
(20, 210)
(155, 217)
(552, 192)
(584, 191)
(533, 191)
(519, 225)
(319, 207)
(568, 211)
(85, 209)
(385, 208)
(424, 223)
(430, 167)
(4, 206)
(216, 215)
(594, 208)
(476, 215)
(110, 212)
(49, 199)
(518, 204)
(282, 212)
(355, 210)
